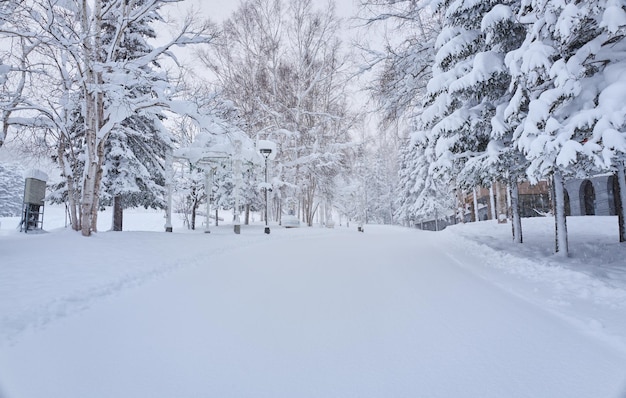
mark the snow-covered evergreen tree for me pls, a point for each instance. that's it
(469, 87)
(599, 109)
(11, 190)
(135, 152)
(406, 178)
(402, 70)
(134, 173)
(425, 198)
(457, 129)
(561, 70)
(489, 83)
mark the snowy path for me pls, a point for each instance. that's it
(380, 314)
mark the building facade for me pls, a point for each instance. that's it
(597, 196)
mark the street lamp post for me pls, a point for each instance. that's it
(169, 160)
(266, 152)
(237, 187)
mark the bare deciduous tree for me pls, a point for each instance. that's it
(283, 65)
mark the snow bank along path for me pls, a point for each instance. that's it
(301, 313)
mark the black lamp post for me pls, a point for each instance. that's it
(266, 152)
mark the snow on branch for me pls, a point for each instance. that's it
(614, 17)
(485, 66)
(453, 43)
(496, 16)
(189, 35)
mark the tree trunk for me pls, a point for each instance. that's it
(73, 204)
(91, 167)
(118, 213)
(560, 220)
(475, 201)
(217, 220)
(98, 181)
(307, 205)
(460, 205)
(247, 215)
(501, 205)
(87, 203)
(492, 202)
(193, 217)
(621, 184)
(515, 213)
(72, 201)
(93, 118)
(194, 206)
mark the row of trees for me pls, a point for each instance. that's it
(81, 77)
(518, 89)
(86, 81)
(284, 66)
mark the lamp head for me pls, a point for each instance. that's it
(266, 152)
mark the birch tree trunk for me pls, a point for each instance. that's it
(89, 177)
(72, 201)
(94, 110)
(561, 247)
(492, 202)
(99, 171)
(89, 174)
(501, 205)
(308, 202)
(515, 213)
(475, 201)
(93, 117)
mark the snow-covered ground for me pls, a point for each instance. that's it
(311, 312)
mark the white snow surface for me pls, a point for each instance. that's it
(312, 312)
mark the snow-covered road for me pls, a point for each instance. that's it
(386, 313)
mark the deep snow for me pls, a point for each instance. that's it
(312, 312)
